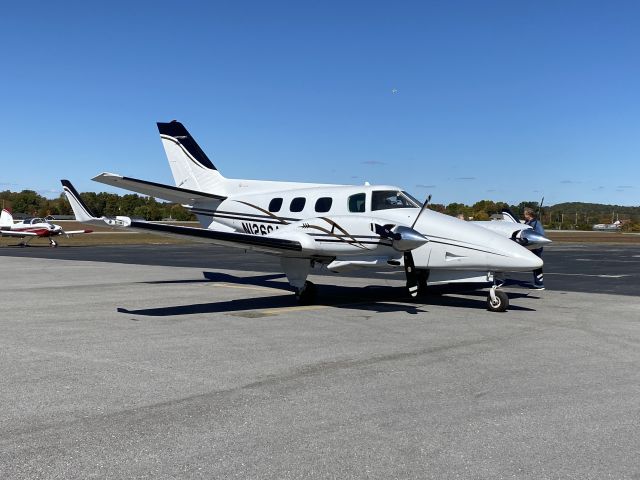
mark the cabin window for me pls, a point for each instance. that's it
(357, 202)
(324, 204)
(386, 199)
(275, 205)
(297, 204)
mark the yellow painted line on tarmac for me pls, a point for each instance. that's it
(243, 287)
(298, 308)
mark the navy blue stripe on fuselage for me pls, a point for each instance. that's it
(242, 216)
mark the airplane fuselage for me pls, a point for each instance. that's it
(341, 221)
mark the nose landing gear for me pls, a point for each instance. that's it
(497, 300)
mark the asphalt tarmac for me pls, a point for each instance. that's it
(157, 362)
(591, 268)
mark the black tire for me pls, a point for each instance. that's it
(308, 294)
(501, 303)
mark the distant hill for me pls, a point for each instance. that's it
(582, 216)
(595, 208)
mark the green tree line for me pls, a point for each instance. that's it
(31, 203)
(572, 215)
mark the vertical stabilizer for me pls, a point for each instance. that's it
(6, 219)
(190, 166)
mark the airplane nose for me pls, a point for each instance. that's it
(518, 258)
(533, 261)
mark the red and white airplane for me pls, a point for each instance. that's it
(31, 228)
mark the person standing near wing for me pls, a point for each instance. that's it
(531, 219)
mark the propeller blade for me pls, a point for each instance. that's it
(424, 207)
(410, 271)
(540, 208)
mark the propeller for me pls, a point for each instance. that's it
(409, 264)
(404, 239)
(539, 208)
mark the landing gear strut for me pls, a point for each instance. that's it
(307, 294)
(423, 277)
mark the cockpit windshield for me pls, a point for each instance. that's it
(34, 220)
(386, 199)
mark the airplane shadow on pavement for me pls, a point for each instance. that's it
(377, 299)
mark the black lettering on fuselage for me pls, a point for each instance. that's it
(257, 229)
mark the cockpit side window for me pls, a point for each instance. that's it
(386, 199)
(357, 203)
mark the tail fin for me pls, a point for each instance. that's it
(509, 216)
(80, 209)
(190, 166)
(84, 215)
(6, 219)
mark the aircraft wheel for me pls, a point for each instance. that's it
(54, 243)
(500, 303)
(307, 294)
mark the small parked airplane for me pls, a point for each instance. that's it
(338, 227)
(31, 228)
(608, 227)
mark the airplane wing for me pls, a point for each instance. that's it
(231, 239)
(166, 192)
(76, 232)
(15, 233)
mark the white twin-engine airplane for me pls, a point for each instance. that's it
(31, 228)
(318, 225)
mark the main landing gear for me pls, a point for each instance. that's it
(52, 242)
(307, 294)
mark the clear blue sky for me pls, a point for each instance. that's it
(467, 100)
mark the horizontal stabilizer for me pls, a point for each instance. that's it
(158, 190)
(231, 239)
